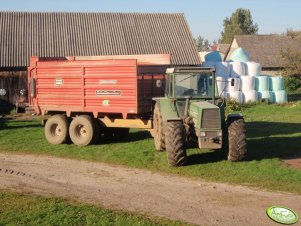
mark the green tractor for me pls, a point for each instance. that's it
(191, 112)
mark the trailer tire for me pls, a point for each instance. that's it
(96, 128)
(158, 131)
(81, 130)
(56, 129)
(237, 139)
(175, 143)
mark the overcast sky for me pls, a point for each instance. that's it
(204, 17)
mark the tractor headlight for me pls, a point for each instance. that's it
(202, 134)
(219, 133)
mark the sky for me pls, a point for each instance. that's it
(204, 17)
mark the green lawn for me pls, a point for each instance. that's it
(274, 132)
(16, 209)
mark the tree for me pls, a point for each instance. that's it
(291, 62)
(202, 44)
(240, 23)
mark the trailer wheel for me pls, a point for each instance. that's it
(81, 130)
(56, 129)
(96, 128)
(237, 139)
(175, 143)
(158, 132)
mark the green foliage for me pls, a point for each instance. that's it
(291, 62)
(232, 106)
(273, 132)
(293, 33)
(292, 84)
(16, 209)
(240, 23)
(202, 44)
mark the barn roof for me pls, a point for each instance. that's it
(57, 34)
(265, 49)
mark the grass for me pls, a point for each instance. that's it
(17, 209)
(274, 132)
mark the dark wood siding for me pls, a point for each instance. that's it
(12, 81)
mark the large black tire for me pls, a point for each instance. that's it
(56, 129)
(175, 143)
(237, 140)
(158, 131)
(116, 133)
(81, 130)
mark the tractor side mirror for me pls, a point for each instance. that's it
(232, 82)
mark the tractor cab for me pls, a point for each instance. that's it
(192, 82)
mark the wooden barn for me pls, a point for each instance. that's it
(25, 34)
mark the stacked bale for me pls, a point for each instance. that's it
(277, 89)
(249, 84)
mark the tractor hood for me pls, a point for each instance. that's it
(206, 116)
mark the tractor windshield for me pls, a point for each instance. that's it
(193, 84)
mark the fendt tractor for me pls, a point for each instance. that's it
(85, 98)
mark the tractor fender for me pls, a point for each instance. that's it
(168, 109)
(236, 116)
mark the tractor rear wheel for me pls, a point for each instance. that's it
(81, 130)
(237, 139)
(175, 143)
(56, 129)
(158, 132)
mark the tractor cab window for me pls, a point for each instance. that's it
(193, 84)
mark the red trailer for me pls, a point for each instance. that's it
(75, 91)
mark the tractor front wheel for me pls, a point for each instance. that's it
(237, 139)
(158, 132)
(175, 143)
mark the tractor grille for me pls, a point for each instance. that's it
(210, 118)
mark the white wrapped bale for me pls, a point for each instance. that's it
(237, 96)
(222, 69)
(225, 95)
(236, 86)
(279, 96)
(253, 68)
(261, 83)
(240, 55)
(247, 83)
(250, 96)
(276, 83)
(222, 85)
(265, 95)
(237, 69)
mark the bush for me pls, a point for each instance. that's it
(232, 107)
(292, 84)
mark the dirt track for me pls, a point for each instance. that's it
(156, 194)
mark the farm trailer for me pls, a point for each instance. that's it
(86, 97)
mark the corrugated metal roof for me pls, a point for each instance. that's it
(23, 34)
